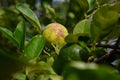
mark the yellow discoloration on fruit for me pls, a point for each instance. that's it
(55, 33)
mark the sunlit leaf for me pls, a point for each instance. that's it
(82, 27)
(40, 67)
(34, 48)
(56, 77)
(103, 21)
(29, 15)
(19, 34)
(19, 76)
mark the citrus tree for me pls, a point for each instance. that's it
(60, 40)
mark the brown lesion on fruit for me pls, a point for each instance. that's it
(60, 33)
(54, 27)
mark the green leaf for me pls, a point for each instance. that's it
(74, 38)
(19, 34)
(82, 27)
(49, 10)
(116, 7)
(19, 76)
(41, 67)
(34, 48)
(55, 77)
(91, 4)
(49, 77)
(29, 15)
(102, 2)
(103, 21)
(8, 34)
(83, 45)
(88, 71)
(50, 61)
(115, 33)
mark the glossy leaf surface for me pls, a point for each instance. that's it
(34, 48)
(82, 27)
(29, 15)
(19, 34)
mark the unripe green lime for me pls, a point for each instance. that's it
(74, 52)
(55, 33)
(68, 53)
(71, 52)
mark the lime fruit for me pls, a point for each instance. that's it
(70, 52)
(55, 33)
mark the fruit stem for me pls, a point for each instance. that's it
(56, 48)
(46, 52)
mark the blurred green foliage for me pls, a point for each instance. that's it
(94, 27)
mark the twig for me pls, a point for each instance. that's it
(103, 58)
(106, 56)
(105, 46)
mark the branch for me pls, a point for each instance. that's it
(106, 56)
(107, 46)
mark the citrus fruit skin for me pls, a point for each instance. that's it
(74, 52)
(69, 53)
(55, 33)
